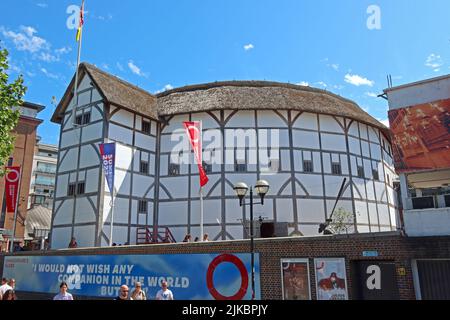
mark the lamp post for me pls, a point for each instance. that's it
(241, 189)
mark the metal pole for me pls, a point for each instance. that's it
(76, 74)
(201, 214)
(15, 211)
(252, 248)
(112, 220)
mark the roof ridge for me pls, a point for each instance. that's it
(110, 75)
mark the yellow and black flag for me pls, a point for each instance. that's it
(80, 26)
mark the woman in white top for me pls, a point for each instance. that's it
(63, 294)
(138, 293)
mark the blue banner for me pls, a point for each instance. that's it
(189, 276)
(108, 154)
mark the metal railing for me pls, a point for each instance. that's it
(151, 235)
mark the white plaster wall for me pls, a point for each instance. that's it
(311, 210)
(270, 119)
(120, 134)
(92, 132)
(95, 114)
(69, 162)
(305, 139)
(84, 212)
(70, 138)
(306, 121)
(65, 213)
(242, 119)
(141, 184)
(172, 213)
(126, 154)
(88, 156)
(328, 123)
(208, 122)
(124, 117)
(60, 237)
(62, 182)
(92, 177)
(145, 141)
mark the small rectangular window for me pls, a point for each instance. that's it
(336, 168)
(79, 120)
(207, 167)
(143, 167)
(71, 189)
(174, 169)
(145, 127)
(388, 180)
(86, 118)
(240, 167)
(80, 189)
(308, 166)
(375, 174)
(360, 172)
(143, 206)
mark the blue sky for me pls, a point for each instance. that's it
(162, 44)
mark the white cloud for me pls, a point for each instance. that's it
(166, 88)
(135, 69)
(47, 57)
(119, 66)
(63, 50)
(358, 80)
(322, 84)
(48, 74)
(42, 5)
(105, 66)
(371, 94)
(303, 83)
(434, 61)
(26, 41)
(385, 122)
(248, 47)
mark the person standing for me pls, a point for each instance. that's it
(123, 294)
(138, 293)
(205, 237)
(164, 293)
(73, 243)
(63, 294)
(6, 286)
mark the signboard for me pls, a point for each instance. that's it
(12, 180)
(375, 280)
(331, 280)
(295, 279)
(370, 253)
(421, 136)
(189, 276)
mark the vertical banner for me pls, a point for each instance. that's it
(193, 130)
(12, 178)
(331, 280)
(295, 279)
(108, 154)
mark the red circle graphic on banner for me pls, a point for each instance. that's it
(10, 175)
(244, 277)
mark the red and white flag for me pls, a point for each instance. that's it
(193, 130)
(12, 180)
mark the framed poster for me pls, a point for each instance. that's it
(295, 279)
(331, 279)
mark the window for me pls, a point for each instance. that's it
(308, 166)
(207, 167)
(360, 172)
(143, 167)
(80, 189)
(79, 120)
(145, 127)
(240, 167)
(336, 168)
(86, 118)
(142, 206)
(375, 174)
(174, 169)
(71, 189)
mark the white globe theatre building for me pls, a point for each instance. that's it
(303, 141)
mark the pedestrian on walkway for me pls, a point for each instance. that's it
(9, 295)
(63, 294)
(123, 293)
(138, 293)
(164, 293)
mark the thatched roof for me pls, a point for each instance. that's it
(114, 90)
(259, 95)
(231, 95)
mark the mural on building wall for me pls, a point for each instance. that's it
(421, 136)
(295, 277)
(331, 280)
(189, 276)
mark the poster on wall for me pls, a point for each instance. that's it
(189, 276)
(331, 280)
(295, 279)
(421, 136)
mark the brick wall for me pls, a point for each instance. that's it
(390, 247)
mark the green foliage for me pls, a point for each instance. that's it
(11, 95)
(342, 221)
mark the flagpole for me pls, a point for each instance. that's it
(201, 187)
(112, 220)
(76, 73)
(15, 212)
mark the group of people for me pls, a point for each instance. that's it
(188, 238)
(136, 294)
(139, 294)
(7, 289)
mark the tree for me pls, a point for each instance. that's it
(11, 95)
(342, 221)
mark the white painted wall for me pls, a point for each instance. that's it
(427, 222)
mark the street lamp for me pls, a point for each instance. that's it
(241, 189)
